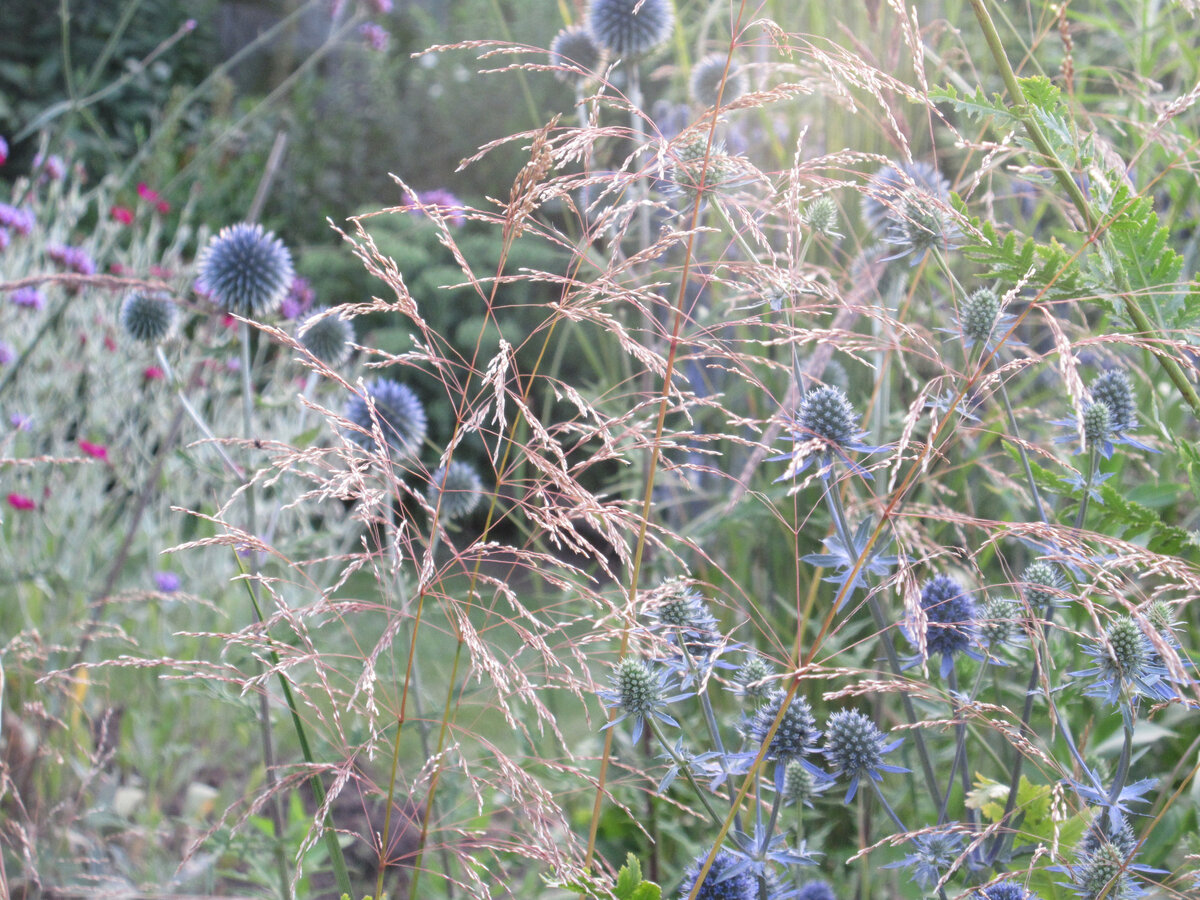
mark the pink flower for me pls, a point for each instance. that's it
(380, 7)
(20, 501)
(3, 151)
(153, 373)
(122, 214)
(109, 344)
(96, 451)
(146, 192)
(163, 207)
(374, 36)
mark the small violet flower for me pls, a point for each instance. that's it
(167, 582)
(28, 298)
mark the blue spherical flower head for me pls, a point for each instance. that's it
(149, 318)
(686, 620)
(1126, 666)
(455, 490)
(327, 336)
(725, 879)
(707, 78)
(573, 49)
(952, 627)
(815, 890)
(794, 739)
(1010, 889)
(856, 748)
(398, 413)
(630, 28)
(1114, 389)
(247, 270)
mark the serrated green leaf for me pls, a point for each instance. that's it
(647, 890)
(628, 878)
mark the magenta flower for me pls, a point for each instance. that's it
(153, 373)
(380, 7)
(20, 501)
(20, 421)
(3, 151)
(96, 451)
(299, 299)
(122, 214)
(28, 298)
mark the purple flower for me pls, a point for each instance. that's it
(167, 582)
(7, 353)
(374, 36)
(3, 151)
(5, 239)
(440, 200)
(29, 298)
(20, 421)
(299, 299)
(380, 7)
(73, 259)
(52, 166)
(19, 220)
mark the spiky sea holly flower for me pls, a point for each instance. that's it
(1000, 622)
(1011, 889)
(800, 785)
(815, 890)
(751, 679)
(951, 615)
(688, 624)
(247, 271)
(1111, 828)
(630, 28)
(821, 215)
(397, 411)
(1104, 873)
(856, 748)
(922, 223)
(693, 169)
(935, 854)
(639, 693)
(573, 49)
(826, 413)
(1042, 584)
(1125, 666)
(880, 201)
(797, 734)
(1114, 389)
(977, 316)
(147, 317)
(725, 880)
(1097, 424)
(708, 75)
(328, 337)
(455, 489)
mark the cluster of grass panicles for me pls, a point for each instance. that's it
(478, 574)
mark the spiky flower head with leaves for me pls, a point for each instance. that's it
(856, 748)
(248, 271)
(951, 615)
(725, 880)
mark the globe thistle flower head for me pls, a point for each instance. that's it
(573, 49)
(1010, 889)
(247, 271)
(725, 880)
(455, 490)
(1043, 584)
(856, 748)
(751, 679)
(797, 734)
(951, 615)
(327, 336)
(707, 77)
(639, 693)
(815, 890)
(147, 317)
(821, 215)
(1114, 389)
(630, 28)
(397, 411)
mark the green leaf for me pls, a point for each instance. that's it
(628, 878)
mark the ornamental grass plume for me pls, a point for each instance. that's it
(247, 271)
